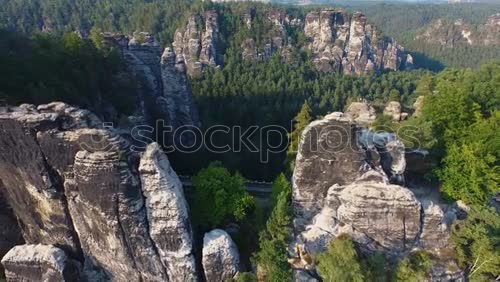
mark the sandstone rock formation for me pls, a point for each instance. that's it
(197, 46)
(343, 184)
(165, 88)
(347, 43)
(177, 94)
(220, 256)
(276, 40)
(167, 213)
(83, 184)
(395, 111)
(340, 42)
(361, 112)
(39, 263)
(418, 106)
(453, 33)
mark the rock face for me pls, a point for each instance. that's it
(340, 42)
(452, 33)
(344, 43)
(177, 94)
(85, 189)
(220, 256)
(361, 112)
(39, 263)
(165, 91)
(196, 45)
(395, 111)
(10, 234)
(168, 219)
(328, 151)
(342, 183)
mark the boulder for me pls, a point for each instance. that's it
(220, 256)
(39, 263)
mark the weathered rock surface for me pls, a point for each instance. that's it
(418, 106)
(454, 33)
(350, 191)
(198, 46)
(348, 44)
(329, 152)
(83, 184)
(165, 89)
(220, 256)
(167, 213)
(39, 263)
(361, 112)
(177, 94)
(395, 111)
(10, 233)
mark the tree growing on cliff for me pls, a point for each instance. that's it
(272, 257)
(302, 120)
(414, 267)
(340, 262)
(219, 196)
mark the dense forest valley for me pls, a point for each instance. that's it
(426, 73)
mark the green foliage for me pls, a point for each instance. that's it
(340, 262)
(274, 240)
(49, 68)
(279, 185)
(246, 277)
(385, 123)
(394, 95)
(413, 268)
(375, 267)
(220, 197)
(301, 121)
(477, 241)
(462, 117)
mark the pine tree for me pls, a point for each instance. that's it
(279, 185)
(273, 255)
(340, 262)
(302, 120)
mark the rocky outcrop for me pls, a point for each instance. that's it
(167, 213)
(198, 45)
(349, 180)
(361, 112)
(164, 91)
(347, 43)
(276, 39)
(395, 111)
(490, 31)
(39, 263)
(328, 152)
(220, 256)
(418, 106)
(453, 33)
(177, 94)
(56, 158)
